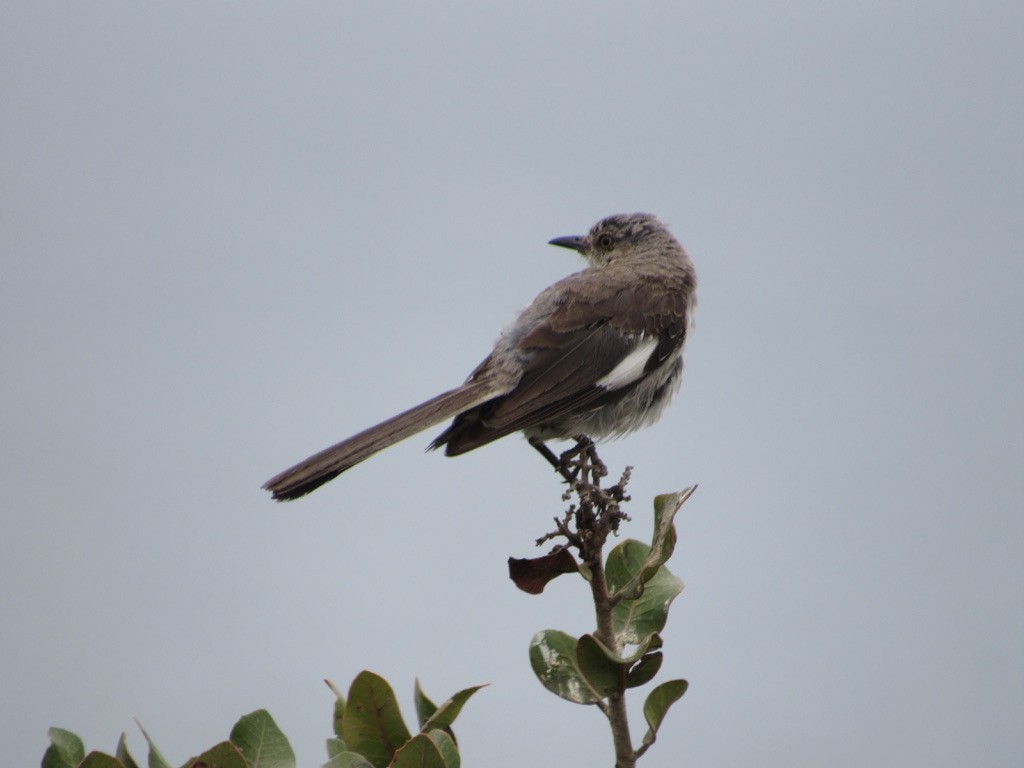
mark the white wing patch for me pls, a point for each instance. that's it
(630, 368)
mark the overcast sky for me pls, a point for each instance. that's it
(234, 233)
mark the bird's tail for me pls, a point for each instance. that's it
(318, 469)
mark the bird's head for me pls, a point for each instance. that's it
(621, 236)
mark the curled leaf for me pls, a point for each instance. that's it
(658, 702)
(533, 574)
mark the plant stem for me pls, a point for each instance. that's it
(625, 756)
(586, 527)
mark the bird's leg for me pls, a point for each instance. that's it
(581, 462)
(581, 458)
(560, 466)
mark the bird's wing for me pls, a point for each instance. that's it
(582, 355)
(577, 368)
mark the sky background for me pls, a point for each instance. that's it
(234, 233)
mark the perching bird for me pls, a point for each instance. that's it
(599, 353)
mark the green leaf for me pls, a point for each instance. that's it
(633, 619)
(419, 752)
(122, 753)
(602, 669)
(645, 670)
(446, 746)
(373, 724)
(584, 671)
(100, 760)
(445, 715)
(651, 642)
(609, 672)
(666, 506)
(424, 706)
(554, 661)
(66, 750)
(629, 586)
(348, 760)
(657, 704)
(156, 760)
(224, 755)
(624, 569)
(261, 742)
(335, 747)
(339, 708)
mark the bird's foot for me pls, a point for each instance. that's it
(581, 462)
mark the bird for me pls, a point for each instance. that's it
(597, 354)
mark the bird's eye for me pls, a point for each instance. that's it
(605, 241)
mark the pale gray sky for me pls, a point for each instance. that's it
(233, 233)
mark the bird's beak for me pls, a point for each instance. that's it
(576, 242)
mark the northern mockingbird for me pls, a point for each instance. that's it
(598, 353)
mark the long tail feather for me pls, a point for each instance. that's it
(324, 466)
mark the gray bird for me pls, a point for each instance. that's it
(597, 354)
